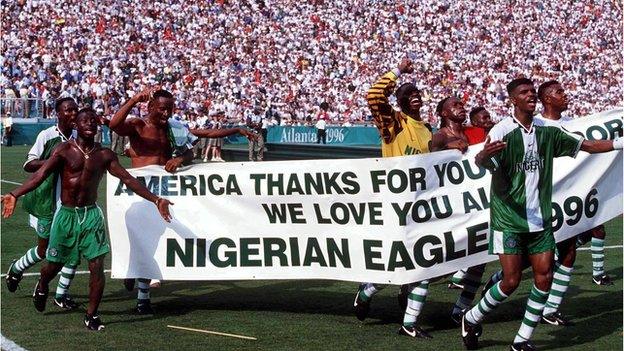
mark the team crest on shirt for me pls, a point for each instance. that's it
(531, 163)
(40, 228)
(510, 243)
(52, 252)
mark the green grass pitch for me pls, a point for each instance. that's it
(287, 315)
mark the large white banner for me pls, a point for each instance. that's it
(392, 220)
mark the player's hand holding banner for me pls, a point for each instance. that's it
(393, 220)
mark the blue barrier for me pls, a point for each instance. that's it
(307, 135)
(26, 133)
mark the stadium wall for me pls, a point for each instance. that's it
(26, 133)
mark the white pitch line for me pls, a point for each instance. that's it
(213, 332)
(9, 182)
(606, 247)
(36, 273)
(10, 345)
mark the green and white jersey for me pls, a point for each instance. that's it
(521, 189)
(42, 202)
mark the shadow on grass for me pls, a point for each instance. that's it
(600, 320)
(176, 298)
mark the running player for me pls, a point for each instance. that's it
(159, 139)
(78, 227)
(41, 203)
(519, 152)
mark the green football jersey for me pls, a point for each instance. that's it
(521, 188)
(41, 202)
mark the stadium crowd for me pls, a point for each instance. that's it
(242, 56)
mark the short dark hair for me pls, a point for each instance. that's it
(440, 106)
(324, 106)
(403, 94)
(475, 110)
(86, 110)
(543, 87)
(162, 93)
(516, 83)
(59, 102)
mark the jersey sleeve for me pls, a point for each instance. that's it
(38, 147)
(385, 118)
(565, 143)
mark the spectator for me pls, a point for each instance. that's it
(236, 55)
(7, 127)
(256, 147)
(320, 125)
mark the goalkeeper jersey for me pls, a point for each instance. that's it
(400, 134)
(521, 189)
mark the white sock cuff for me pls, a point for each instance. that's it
(565, 269)
(500, 290)
(540, 291)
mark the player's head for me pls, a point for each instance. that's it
(86, 123)
(551, 94)
(66, 110)
(451, 109)
(480, 117)
(160, 106)
(408, 98)
(522, 94)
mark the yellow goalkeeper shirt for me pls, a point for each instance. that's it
(400, 134)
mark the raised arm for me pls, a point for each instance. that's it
(386, 119)
(118, 123)
(118, 171)
(9, 200)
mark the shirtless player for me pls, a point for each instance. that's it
(78, 227)
(161, 140)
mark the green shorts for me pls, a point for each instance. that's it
(521, 243)
(43, 227)
(77, 231)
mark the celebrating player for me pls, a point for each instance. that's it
(555, 101)
(159, 140)
(519, 152)
(78, 226)
(41, 203)
(403, 133)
